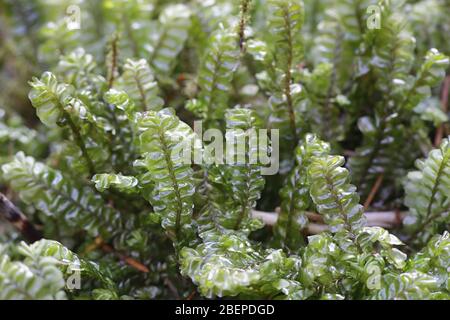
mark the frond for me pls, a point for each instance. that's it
(335, 198)
(215, 76)
(286, 21)
(175, 22)
(74, 207)
(295, 198)
(427, 193)
(166, 146)
(238, 181)
(139, 83)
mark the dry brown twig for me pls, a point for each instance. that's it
(373, 191)
(385, 219)
(100, 244)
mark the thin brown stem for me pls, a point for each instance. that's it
(243, 20)
(128, 260)
(444, 103)
(113, 62)
(191, 295)
(172, 288)
(141, 91)
(99, 243)
(80, 142)
(288, 75)
(176, 187)
(373, 191)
